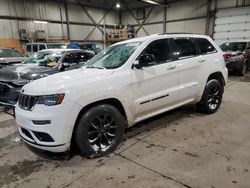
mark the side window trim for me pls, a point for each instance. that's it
(168, 40)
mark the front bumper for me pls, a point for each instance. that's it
(47, 128)
(55, 148)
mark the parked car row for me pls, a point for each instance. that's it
(35, 47)
(130, 81)
(41, 64)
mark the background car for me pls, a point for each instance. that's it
(35, 47)
(237, 56)
(10, 56)
(40, 64)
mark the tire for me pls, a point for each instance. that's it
(99, 131)
(243, 69)
(211, 98)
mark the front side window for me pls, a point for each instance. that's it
(185, 47)
(205, 46)
(114, 56)
(160, 49)
(82, 57)
(237, 47)
(71, 58)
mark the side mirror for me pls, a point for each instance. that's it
(64, 66)
(145, 60)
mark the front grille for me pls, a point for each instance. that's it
(27, 102)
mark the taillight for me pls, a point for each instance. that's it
(228, 56)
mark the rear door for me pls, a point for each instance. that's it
(190, 66)
(155, 86)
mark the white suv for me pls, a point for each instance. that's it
(122, 85)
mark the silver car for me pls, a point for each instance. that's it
(10, 56)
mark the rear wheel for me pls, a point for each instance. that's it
(99, 131)
(212, 97)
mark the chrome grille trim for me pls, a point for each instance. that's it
(27, 102)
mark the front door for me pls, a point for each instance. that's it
(155, 86)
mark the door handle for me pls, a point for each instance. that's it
(202, 61)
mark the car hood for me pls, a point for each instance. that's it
(22, 72)
(62, 81)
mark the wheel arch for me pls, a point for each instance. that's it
(111, 101)
(218, 76)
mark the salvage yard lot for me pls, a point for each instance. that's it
(181, 148)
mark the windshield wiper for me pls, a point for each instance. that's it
(95, 67)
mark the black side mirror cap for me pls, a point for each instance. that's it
(145, 60)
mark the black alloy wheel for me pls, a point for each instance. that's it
(211, 98)
(99, 131)
(102, 132)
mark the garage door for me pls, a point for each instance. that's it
(232, 25)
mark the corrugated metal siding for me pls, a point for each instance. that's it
(176, 11)
(49, 10)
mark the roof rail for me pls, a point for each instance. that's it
(176, 33)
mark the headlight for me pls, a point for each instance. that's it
(50, 100)
(21, 82)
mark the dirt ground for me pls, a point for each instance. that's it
(181, 148)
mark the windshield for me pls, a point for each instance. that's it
(234, 47)
(113, 57)
(9, 53)
(49, 59)
(56, 46)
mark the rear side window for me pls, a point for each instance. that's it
(185, 47)
(160, 49)
(205, 46)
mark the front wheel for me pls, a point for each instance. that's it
(99, 131)
(212, 97)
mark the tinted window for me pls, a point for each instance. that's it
(160, 49)
(71, 58)
(82, 57)
(35, 48)
(42, 47)
(28, 48)
(185, 47)
(205, 46)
